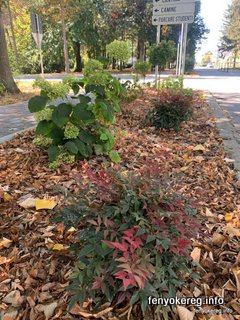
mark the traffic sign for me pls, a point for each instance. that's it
(173, 19)
(166, 2)
(173, 9)
(37, 32)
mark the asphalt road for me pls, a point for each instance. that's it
(225, 87)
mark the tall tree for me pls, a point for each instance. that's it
(5, 71)
(230, 40)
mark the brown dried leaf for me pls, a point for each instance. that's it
(184, 313)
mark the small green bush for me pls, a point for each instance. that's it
(171, 109)
(82, 129)
(119, 50)
(189, 64)
(132, 90)
(133, 237)
(170, 83)
(51, 91)
(105, 61)
(142, 67)
(162, 53)
(92, 66)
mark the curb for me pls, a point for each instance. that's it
(227, 131)
(12, 135)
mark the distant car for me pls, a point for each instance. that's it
(209, 65)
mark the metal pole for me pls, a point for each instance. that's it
(177, 64)
(39, 45)
(181, 51)
(184, 48)
(158, 41)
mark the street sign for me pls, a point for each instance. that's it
(173, 9)
(167, 2)
(37, 32)
(173, 19)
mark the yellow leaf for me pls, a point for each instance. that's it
(45, 204)
(5, 243)
(184, 313)
(228, 217)
(7, 197)
(199, 147)
(58, 247)
(232, 231)
(184, 169)
(72, 229)
(196, 254)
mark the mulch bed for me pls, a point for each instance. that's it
(33, 275)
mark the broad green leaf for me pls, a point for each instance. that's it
(86, 137)
(98, 149)
(61, 114)
(53, 153)
(80, 112)
(57, 134)
(104, 137)
(71, 147)
(114, 156)
(107, 111)
(84, 99)
(75, 88)
(37, 104)
(82, 148)
(44, 127)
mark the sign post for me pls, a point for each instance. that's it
(38, 35)
(158, 41)
(176, 12)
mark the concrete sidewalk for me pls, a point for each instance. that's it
(14, 118)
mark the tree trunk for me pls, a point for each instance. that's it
(78, 57)
(5, 72)
(65, 44)
(13, 33)
(141, 48)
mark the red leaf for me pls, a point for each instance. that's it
(129, 232)
(119, 246)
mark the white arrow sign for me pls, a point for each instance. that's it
(174, 9)
(173, 19)
(167, 2)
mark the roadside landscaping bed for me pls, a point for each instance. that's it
(34, 256)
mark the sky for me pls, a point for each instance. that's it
(212, 12)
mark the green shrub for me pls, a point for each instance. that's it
(105, 61)
(132, 90)
(51, 91)
(170, 83)
(142, 67)
(171, 109)
(162, 53)
(133, 237)
(2, 89)
(78, 130)
(92, 66)
(119, 50)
